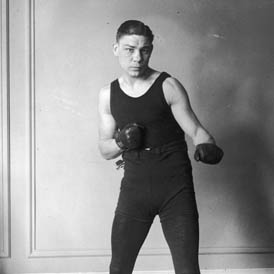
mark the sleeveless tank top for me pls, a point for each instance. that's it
(150, 110)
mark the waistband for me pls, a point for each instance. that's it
(169, 147)
(179, 144)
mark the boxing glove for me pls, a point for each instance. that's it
(130, 137)
(208, 153)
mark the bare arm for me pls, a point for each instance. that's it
(107, 126)
(177, 98)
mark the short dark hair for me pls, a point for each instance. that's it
(131, 27)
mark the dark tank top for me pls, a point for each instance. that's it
(150, 110)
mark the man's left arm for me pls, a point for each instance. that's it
(176, 96)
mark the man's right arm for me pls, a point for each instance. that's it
(107, 126)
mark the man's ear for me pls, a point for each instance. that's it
(151, 49)
(115, 49)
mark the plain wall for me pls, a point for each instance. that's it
(64, 194)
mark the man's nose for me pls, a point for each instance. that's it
(137, 56)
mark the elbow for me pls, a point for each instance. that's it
(106, 155)
(108, 152)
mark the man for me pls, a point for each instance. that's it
(144, 115)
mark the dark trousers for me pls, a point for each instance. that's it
(156, 182)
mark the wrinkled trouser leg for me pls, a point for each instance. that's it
(127, 238)
(181, 230)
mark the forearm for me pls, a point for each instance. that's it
(109, 149)
(202, 136)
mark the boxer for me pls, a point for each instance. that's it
(143, 118)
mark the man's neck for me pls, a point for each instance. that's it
(138, 86)
(131, 80)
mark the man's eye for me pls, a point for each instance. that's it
(145, 51)
(129, 49)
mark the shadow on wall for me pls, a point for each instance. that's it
(234, 77)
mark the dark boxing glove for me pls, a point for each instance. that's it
(208, 153)
(130, 137)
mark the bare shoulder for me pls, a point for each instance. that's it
(104, 92)
(104, 98)
(174, 90)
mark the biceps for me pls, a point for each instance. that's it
(107, 126)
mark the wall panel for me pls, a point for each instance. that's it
(68, 50)
(4, 137)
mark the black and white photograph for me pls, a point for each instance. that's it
(137, 137)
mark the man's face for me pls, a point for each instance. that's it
(133, 52)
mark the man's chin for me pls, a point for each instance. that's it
(137, 73)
